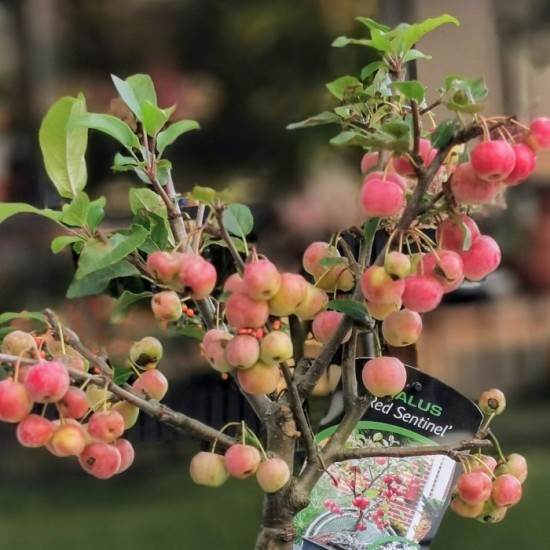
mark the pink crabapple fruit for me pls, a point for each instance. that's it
(260, 378)
(379, 287)
(384, 376)
(507, 490)
(208, 469)
(197, 276)
(474, 487)
(314, 302)
(100, 459)
(245, 312)
(272, 474)
(164, 266)
(403, 165)
(261, 279)
(68, 439)
(106, 425)
(242, 351)
(380, 310)
(422, 293)
(73, 404)
(152, 384)
(481, 259)
(34, 431)
(493, 160)
(325, 324)
(292, 292)
(47, 381)
(515, 465)
(456, 232)
(242, 460)
(402, 328)
(468, 188)
(381, 198)
(397, 264)
(127, 454)
(15, 401)
(539, 129)
(446, 266)
(465, 509)
(524, 165)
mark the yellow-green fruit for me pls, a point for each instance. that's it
(146, 353)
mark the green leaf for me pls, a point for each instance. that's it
(98, 254)
(329, 261)
(193, 331)
(397, 129)
(174, 131)
(341, 87)
(203, 194)
(239, 244)
(125, 301)
(369, 69)
(342, 41)
(238, 219)
(9, 209)
(127, 95)
(352, 308)
(411, 89)
(97, 281)
(327, 117)
(64, 145)
(75, 213)
(144, 199)
(9, 316)
(413, 33)
(59, 243)
(444, 133)
(110, 125)
(143, 88)
(413, 54)
(159, 237)
(371, 24)
(135, 91)
(123, 163)
(96, 213)
(154, 118)
(121, 375)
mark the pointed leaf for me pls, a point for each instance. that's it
(238, 219)
(444, 133)
(154, 118)
(127, 95)
(143, 88)
(97, 254)
(59, 243)
(144, 199)
(9, 316)
(352, 308)
(411, 89)
(9, 209)
(98, 281)
(74, 213)
(121, 375)
(110, 125)
(415, 32)
(371, 24)
(125, 301)
(327, 117)
(64, 146)
(174, 131)
(204, 195)
(340, 87)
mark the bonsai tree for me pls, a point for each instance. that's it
(418, 185)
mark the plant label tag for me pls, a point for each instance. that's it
(390, 503)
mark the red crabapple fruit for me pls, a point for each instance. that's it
(197, 276)
(524, 165)
(422, 293)
(474, 487)
(15, 401)
(127, 454)
(166, 306)
(106, 425)
(261, 279)
(468, 188)
(457, 233)
(152, 384)
(515, 465)
(242, 460)
(47, 381)
(243, 351)
(507, 490)
(381, 198)
(100, 459)
(325, 324)
(402, 328)
(34, 431)
(244, 312)
(540, 133)
(379, 287)
(493, 160)
(482, 258)
(74, 404)
(260, 378)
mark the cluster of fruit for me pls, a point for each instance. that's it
(240, 461)
(54, 411)
(488, 487)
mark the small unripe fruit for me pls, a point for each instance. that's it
(166, 306)
(379, 287)
(292, 292)
(314, 302)
(402, 328)
(20, 343)
(464, 509)
(208, 469)
(68, 439)
(384, 376)
(492, 402)
(515, 465)
(397, 264)
(260, 378)
(276, 347)
(491, 513)
(272, 474)
(146, 353)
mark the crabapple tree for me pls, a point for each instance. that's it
(420, 184)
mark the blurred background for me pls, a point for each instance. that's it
(245, 69)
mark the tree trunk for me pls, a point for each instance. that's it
(277, 530)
